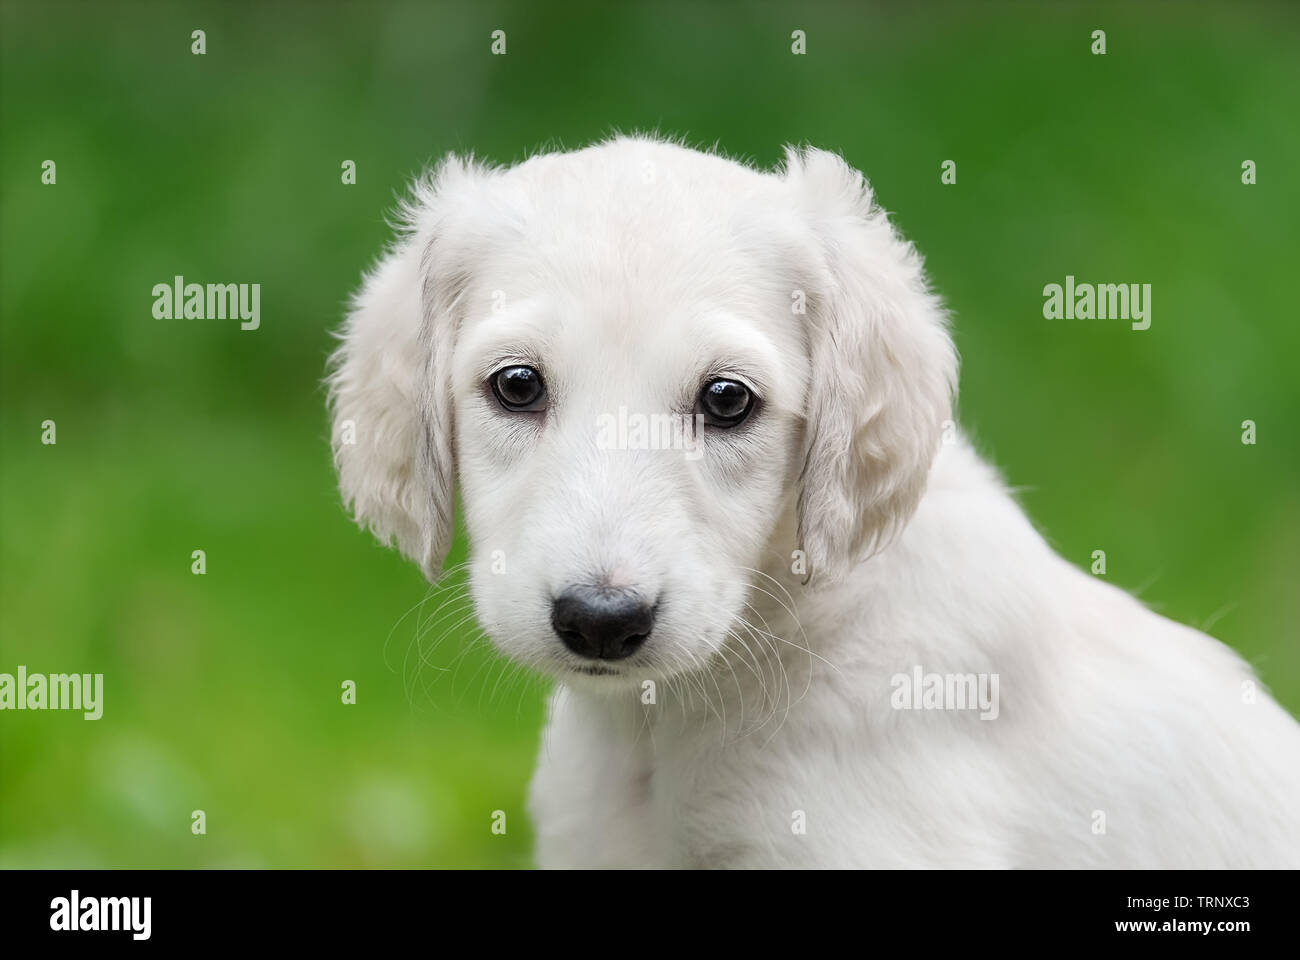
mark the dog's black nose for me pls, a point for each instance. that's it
(605, 623)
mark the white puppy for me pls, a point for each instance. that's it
(810, 629)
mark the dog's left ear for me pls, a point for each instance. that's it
(883, 374)
(389, 381)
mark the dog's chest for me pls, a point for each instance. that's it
(772, 798)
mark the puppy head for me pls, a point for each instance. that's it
(634, 360)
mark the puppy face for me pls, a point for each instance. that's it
(625, 431)
(634, 361)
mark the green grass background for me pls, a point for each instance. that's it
(222, 691)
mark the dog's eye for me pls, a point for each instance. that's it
(519, 388)
(725, 403)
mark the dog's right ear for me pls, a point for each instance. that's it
(389, 380)
(884, 369)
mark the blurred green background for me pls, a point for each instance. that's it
(223, 690)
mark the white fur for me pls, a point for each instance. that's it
(627, 273)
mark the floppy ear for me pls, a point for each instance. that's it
(883, 370)
(389, 381)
